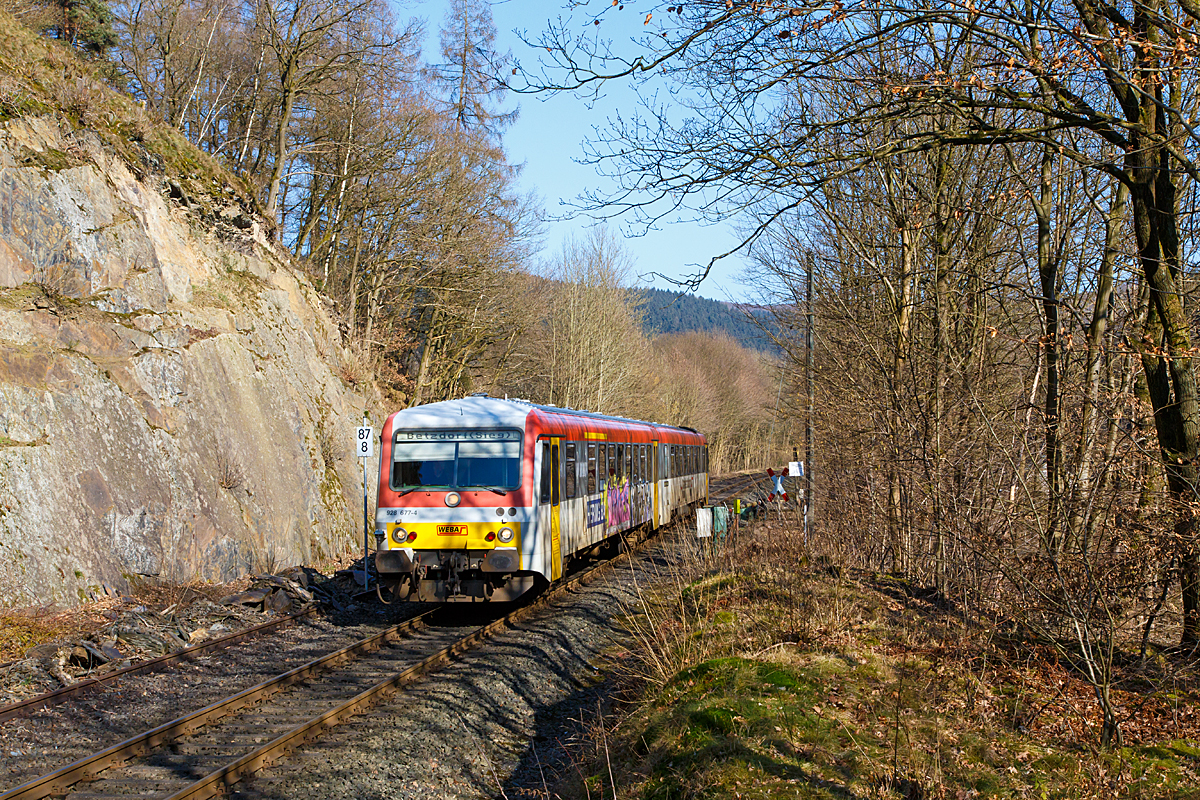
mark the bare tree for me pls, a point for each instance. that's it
(470, 64)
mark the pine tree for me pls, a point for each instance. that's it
(85, 24)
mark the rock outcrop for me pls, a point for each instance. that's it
(171, 391)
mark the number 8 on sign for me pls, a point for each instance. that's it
(366, 442)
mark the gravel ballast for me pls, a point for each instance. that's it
(492, 724)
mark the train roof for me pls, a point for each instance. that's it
(481, 411)
(466, 412)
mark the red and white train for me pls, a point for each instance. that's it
(484, 499)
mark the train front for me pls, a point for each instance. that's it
(454, 499)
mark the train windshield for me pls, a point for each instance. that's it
(456, 460)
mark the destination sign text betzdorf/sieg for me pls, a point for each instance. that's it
(457, 436)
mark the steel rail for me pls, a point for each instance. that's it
(218, 782)
(725, 487)
(56, 696)
(88, 768)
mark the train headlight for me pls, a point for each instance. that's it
(505, 534)
(453, 499)
(412, 537)
(399, 535)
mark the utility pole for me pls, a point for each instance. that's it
(808, 422)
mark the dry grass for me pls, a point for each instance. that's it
(20, 631)
(44, 77)
(23, 629)
(229, 474)
(756, 670)
(352, 372)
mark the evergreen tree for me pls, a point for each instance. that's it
(85, 24)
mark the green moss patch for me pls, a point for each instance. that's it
(832, 686)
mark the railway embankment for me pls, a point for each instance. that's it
(494, 718)
(175, 400)
(757, 671)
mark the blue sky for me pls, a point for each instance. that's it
(548, 139)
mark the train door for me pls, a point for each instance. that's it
(654, 478)
(551, 496)
(664, 502)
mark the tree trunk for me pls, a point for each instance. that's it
(1088, 423)
(1166, 358)
(281, 150)
(1048, 263)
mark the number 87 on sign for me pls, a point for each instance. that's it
(366, 442)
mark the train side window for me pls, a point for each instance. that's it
(547, 463)
(555, 472)
(569, 483)
(601, 466)
(591, 467)
(620, 472)
(645, 473)
(629, 461)
(612, 463)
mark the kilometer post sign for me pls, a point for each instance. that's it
(364, 446)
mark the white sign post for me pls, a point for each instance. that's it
(364, 446)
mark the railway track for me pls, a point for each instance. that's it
(75, 690)
(203, 753)
(744, 485)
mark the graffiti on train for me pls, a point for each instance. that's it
(618, 505)
(642, 494)
(595, 512)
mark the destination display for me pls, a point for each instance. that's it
(458, 436)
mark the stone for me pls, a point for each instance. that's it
(162, 407)
(291, 587)
(80, 657)
(279, 602)
(251, 597)
(48, 650)
(97, 654)
(173, 642)
(296, 575)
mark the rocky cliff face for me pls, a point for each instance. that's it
(170, 399)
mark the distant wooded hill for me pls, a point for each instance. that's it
(676, 312)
